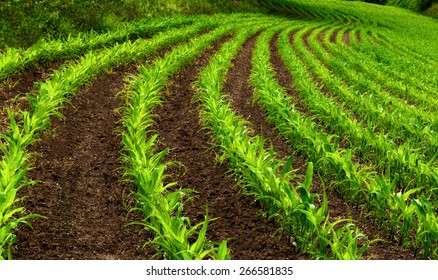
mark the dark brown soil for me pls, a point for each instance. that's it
(306, 40)
(358, 36)
(238, 88)
(284, 76)
(241, 96)
(384, 250)
(250, 236)
(80, 191)
(321, 41)
(24, 82)
(241, 93)
(346, 37)
(333, 36)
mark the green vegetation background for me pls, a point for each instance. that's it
(23, 22)
(413, 5)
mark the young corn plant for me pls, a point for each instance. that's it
(385, 112)
(427, 231)
(13, 168)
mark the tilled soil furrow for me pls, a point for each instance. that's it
(241, 96)
(250, 235)
(241, 93)
(320, 38)
(80, 191)
(333, 36)
(358, 36)
(339, 209)
(24, 82)
(346, 37)
(286, 82)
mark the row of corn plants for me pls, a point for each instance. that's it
(371, 145)
(161, 206)
(397, 72)
(419, 129)
(268, 178)
(25, 126)
(406, 34)
(370, 96)
(411, 220)
(405, 166)
(399, 47)
(372, 66)
(15, 60)
(359, 184)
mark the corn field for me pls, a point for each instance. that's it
(307, 133)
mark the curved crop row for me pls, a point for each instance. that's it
(161, 207)
(397, 78)
(25, 126)
(15, 60)
(362, 82)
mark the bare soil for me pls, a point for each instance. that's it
(346, 37)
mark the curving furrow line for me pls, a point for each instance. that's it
(384, 130)
(394, 56)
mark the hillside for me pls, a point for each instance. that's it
(22, 23)
(298, 129)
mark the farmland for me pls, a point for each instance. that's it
(309, 132)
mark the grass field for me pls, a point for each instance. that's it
(307, 130)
